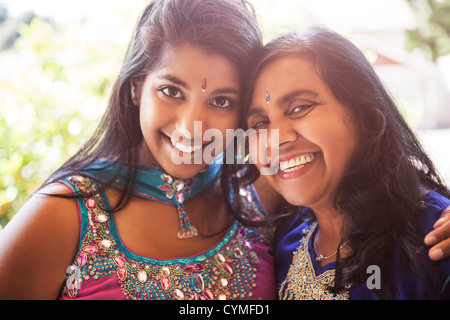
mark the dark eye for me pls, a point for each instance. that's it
(220, 102)
(258, 123)
(301, 110)
(172, 92)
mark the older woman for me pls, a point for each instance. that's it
(369, 193)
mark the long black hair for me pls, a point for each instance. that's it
(380, 191)
(225, 27)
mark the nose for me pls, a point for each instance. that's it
(271, 143)
(280, 134)
(191, 121)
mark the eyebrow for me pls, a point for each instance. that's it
(255, 111)
(228, 90)
(174, 80)
(288, 97)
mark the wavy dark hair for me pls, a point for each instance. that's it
(225, 27)
(380, 191)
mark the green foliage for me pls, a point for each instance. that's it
(433, 32)
(51, 100)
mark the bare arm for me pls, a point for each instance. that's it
(37, 246)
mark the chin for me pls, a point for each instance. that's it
(184, 171)
(296, 198)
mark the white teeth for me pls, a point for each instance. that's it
(184, 148)
(296, 163)
(291, 162)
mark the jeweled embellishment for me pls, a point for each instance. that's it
(122, 273)
(91, 203)
(178, 294)
(178, 189)
(119, 260)
(220, 257)
(106, 243)
(102, 217)
(301, 282)
(166, 178)
(178, 185)
(165, 282)
(197, 282)
(223, 282)
(82, 258)
(228, 268)
(91, 248)
(142, 276)
(204, 85)
(165, 272)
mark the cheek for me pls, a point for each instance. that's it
(147, 113)
(153, 116)
(338, 147)
(145, 120)
(255, 152)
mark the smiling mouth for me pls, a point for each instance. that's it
(184, 148)
(296, 163)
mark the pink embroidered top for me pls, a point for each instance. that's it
(240, 266)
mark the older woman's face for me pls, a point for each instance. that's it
(316, 138)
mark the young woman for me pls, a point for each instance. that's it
(368, 193)
(122, 220)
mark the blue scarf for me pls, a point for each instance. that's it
(153, 183)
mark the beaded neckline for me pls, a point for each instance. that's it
(302, 282)
(156, 261)
(150, 260)
(227, 270)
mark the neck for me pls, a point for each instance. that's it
(331, 222)
(330, 232)
(153, 183)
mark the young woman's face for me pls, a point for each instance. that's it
(189, 85)
(316, 138)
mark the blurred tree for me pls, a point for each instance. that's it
(54, 84)
(433, 32)
(9, 26)
(3, 12)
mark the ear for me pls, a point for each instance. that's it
(134, 93)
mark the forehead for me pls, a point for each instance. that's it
(193, 61)
(288, 71)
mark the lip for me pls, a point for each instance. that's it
(298, 170)
(193, 154)
(186, 148)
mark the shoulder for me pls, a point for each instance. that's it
(433, 204)
(435, 201)
(48, 208)
(39, 243)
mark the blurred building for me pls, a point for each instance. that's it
(378, 28)
(420, 87)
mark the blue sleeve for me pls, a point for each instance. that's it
(434, 205)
